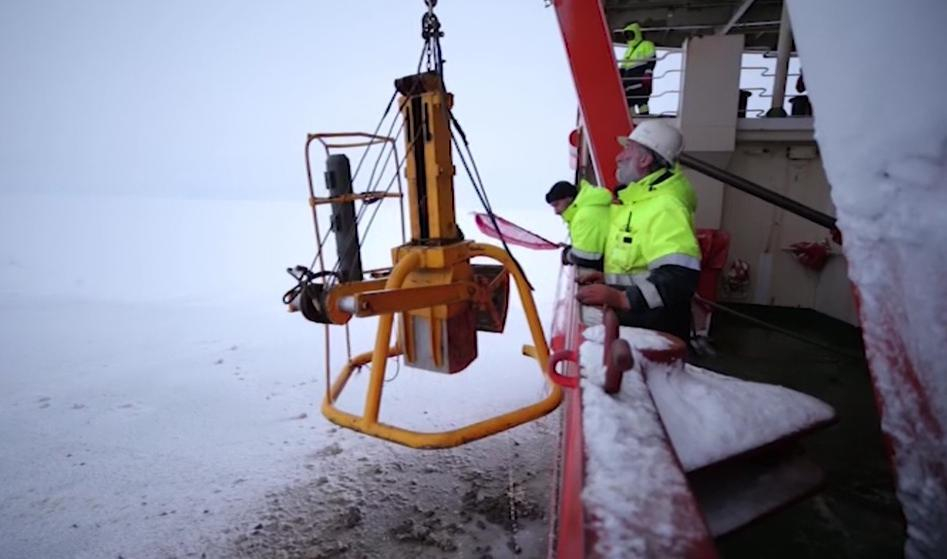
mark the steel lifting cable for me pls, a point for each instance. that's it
(399, 164)
(371, 177)
(327, 334)
(381, 121)
(431, 51)
(396, 179)
(305, 275)
(371, 219)
(347, 248)
(372, 183)
(485, 202)
(348, 342)
(431, 32)
(320, 242)
(482, 193)
(391, 102)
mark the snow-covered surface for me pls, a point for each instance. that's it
(156, 400)
(632, 471)
(710, 416)
(637, 338)
(881, 125)
(635, 494)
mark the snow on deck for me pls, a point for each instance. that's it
(635, 494)
(710, 416)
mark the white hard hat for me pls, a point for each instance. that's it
(659, 136)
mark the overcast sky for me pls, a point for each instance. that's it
(213, 99)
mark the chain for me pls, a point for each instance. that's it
(511, 492)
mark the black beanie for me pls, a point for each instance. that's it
(561, 190)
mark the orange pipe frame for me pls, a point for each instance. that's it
(368, 422)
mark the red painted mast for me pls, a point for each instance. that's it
(605, 117)
(602, 102)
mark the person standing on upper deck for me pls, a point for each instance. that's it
(637, 68)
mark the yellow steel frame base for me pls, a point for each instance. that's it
(368, 422)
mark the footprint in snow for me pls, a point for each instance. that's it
(332, 450)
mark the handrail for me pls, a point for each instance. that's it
(761, 192)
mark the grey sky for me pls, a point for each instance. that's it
(214, 98)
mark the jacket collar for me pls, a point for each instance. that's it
(569, 212)
(645, 184)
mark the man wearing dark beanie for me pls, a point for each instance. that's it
(586, 213)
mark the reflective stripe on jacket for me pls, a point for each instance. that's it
(652, 226)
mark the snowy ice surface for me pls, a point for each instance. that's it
(156, 400)
(710, 416)
(632, 483)
(881, 125)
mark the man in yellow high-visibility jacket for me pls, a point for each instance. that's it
(637, 68)
(585, 211)
(652, 259)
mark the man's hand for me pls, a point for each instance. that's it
(590, 278)
(601, 295)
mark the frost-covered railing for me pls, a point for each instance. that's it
(665, 84)
(757, 77)
(757, 80)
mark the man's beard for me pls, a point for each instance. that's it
(627, 176)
